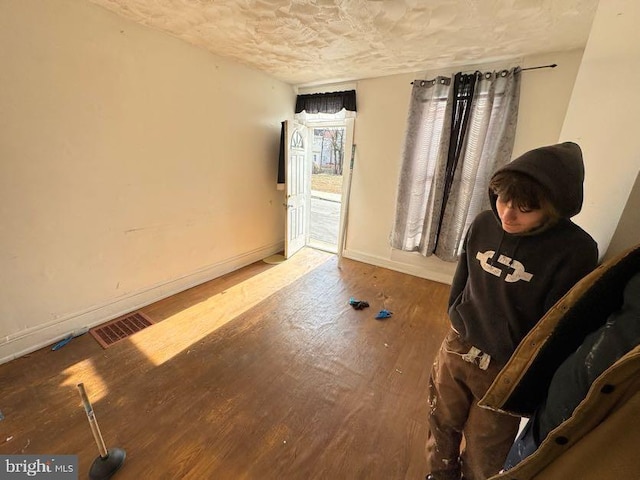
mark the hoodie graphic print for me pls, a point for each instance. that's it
(504, 283)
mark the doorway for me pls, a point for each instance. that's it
(327, 157)
(318, 156)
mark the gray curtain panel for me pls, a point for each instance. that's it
(423, 223)
(422, 172)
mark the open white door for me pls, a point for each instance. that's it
(347, 171)
(297, 186)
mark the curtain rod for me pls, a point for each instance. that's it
(551, 65)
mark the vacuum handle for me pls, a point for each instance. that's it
(93, 423)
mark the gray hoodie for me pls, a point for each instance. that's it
(504, 283)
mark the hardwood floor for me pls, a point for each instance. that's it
(265, 373)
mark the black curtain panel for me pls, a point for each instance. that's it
(326, 102)
(463, 90)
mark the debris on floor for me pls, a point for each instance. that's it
(383, 314)
(68, 338)
(62, 343)
(358, 304)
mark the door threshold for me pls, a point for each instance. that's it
(325, 247)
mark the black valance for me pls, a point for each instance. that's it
(326, 102)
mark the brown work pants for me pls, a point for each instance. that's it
(455, 387)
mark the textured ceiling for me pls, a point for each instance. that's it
(304, 42)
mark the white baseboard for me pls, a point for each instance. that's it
(437, 270)
(34, 338)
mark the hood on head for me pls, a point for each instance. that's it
(559, 168)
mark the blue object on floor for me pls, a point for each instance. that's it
(62, 343)
(383, 314)
(358, 304)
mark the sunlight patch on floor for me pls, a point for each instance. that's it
(177, 333)
(85, 372)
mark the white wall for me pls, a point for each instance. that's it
(132, 166)
(603, 116)
(379, 134)
(627, 233)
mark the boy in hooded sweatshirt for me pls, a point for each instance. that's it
(517, 260)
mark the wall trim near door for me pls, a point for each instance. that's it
(32, 339)
(440, 271)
